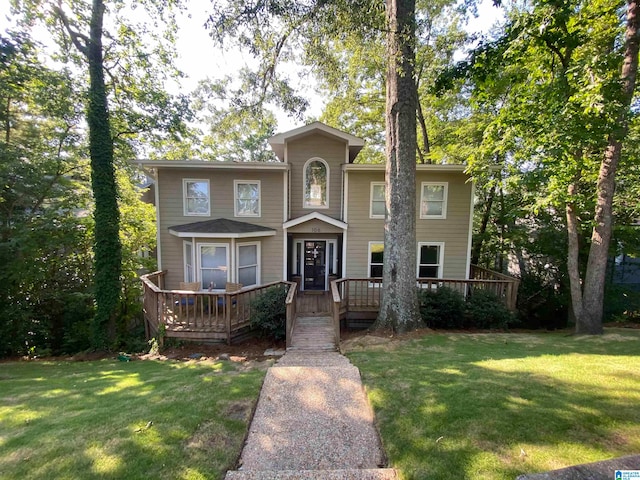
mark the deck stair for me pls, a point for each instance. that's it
(313, 334)
(313, 420)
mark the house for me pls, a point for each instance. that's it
(312, 216)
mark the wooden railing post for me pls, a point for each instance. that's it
(291, 312)
(335, 309)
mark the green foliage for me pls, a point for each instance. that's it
(621, 304)
(442, 307)
(446, 308)
(542, 302)
(269, 314)
(485, 310)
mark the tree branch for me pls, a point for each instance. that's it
(76, 37)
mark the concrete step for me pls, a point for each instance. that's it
(345, 474)
(300, 358)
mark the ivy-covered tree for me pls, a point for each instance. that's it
(128, 112)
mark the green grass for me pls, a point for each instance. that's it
(467, 406)
(78, 420)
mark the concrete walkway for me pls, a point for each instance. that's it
(313, 419)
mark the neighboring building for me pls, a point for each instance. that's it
(311, 216)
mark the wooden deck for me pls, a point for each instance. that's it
(314, 303)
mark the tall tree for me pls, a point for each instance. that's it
(107, 247)
(571, 105)
(313, 25)
(589, 306)
(124, 67)
(399, 309)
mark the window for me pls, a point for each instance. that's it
(377, 207)
(376, 259)
(214, 261)
(316, 184)
(249, 264)
(433, 200)
(247, 198)
(189, 271)
(430, 259)
(196, 197)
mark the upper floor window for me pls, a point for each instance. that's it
(377, 204)
(433, 200)
(316, 184)
(430, 260)
(247, 198)
(196, 197)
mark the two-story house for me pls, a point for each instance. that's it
(312, 216)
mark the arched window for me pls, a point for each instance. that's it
(316, 183)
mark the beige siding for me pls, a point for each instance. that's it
(221, 184)
(333, 152)
(453, 231)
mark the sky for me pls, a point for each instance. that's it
(199, 58)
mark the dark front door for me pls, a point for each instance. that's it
(315, 264)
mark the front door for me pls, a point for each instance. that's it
(315, 264)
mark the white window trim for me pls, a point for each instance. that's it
(235, 198)
(380, 242)
(185, 203)
(445, 196)
(199, 262)
(304, 184)
(440, 257)
(258, 260)
(371, 214)
(192, 261)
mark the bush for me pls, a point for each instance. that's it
(485, 310)
(542, 303)
(442, 308)
(621, 304)
(269, 313)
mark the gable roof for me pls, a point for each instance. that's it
(221, 228)
(315, 216)
(279, 140)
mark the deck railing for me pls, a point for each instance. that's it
(201, 314)
(365, 294)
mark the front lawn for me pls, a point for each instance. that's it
(493, 406)
(134, 420)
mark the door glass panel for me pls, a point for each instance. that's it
(315, 265)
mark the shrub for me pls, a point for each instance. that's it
(485, 310)
(269, 313)
(442, 308)
(621, 304)
(542, 302)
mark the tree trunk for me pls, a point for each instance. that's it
(399, 310)
(107, 247)
(590, 322)
(573, 254)
(477, 245)
(426, 146)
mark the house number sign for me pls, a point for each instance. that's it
(315, 229)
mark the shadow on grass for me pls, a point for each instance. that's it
(123, 420)
(495, 406)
